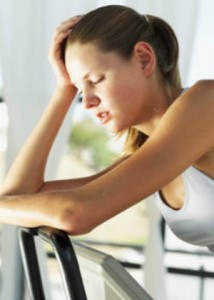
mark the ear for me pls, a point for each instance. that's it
(145, 56)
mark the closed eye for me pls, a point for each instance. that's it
(97, 81)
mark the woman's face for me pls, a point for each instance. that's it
(113, 89)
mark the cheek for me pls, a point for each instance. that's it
(119, 91)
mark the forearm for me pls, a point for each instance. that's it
(27, 172)
(34, 210)
(74, 183)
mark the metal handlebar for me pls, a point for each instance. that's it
(66, 258)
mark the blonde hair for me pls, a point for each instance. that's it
(118, 28)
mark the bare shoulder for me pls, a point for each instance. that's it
(201, 91)
(195, 105)
(205, 84)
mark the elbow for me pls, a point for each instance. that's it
(5, 192)
(66, 221)
(74, 221)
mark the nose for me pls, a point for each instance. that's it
(89, 100)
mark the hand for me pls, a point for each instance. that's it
(56, 50)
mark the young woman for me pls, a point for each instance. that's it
(126, 67)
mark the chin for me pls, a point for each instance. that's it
(115, 129)
(112, 131)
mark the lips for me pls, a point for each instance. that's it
(104, 117)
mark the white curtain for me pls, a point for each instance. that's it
(25, 31)
(201, 59)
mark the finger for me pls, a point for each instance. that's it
(58, 45)
(60, 36)
(66, 26)
(63, 30)
(75, 18)
(69, 23)
(61, 33)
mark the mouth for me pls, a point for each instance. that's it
(104, 117)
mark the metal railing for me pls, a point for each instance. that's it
(71, 277)
(66, 258)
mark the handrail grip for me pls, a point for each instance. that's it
(66, 258)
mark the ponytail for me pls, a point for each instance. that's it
(166, 48)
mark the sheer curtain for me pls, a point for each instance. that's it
(201, 65)
(25, 32)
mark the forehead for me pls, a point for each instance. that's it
(84, 58)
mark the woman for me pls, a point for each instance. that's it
(126, 68)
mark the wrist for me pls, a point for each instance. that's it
(66, 91)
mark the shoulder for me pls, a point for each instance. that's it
(205, 84)
(196, 102)
(195, 106)
(201, 90)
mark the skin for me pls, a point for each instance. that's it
(98, 76)
(131, 93)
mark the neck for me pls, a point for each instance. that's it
(162, 98)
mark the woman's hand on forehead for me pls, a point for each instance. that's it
(57, 48)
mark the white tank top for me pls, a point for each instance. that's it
(194, 222)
